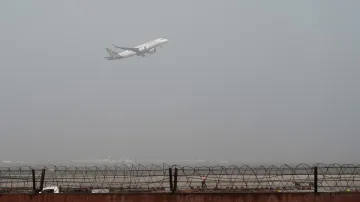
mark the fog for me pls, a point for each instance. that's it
(244, 81)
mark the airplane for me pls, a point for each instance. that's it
(105, 161)
(11, 162)
(93, 160)
(146, 48)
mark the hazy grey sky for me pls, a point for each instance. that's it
(259, 81)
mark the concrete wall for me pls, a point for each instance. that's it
(232, 197)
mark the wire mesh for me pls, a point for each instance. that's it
(156, 178)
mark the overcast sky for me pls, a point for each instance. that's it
(246, 81)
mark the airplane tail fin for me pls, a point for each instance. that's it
(111, 52)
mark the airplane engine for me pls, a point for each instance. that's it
(142, 49)
(151, 51)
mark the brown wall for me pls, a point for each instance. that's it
(232, 197)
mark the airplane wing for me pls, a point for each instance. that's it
(127, 48)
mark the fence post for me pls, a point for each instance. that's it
(170, 180)
(315, 179)
(33, 179)
(175, 179)
(42, 179)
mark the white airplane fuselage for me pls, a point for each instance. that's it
(146, 48)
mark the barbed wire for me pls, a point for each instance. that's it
(145, 178)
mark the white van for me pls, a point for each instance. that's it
(50, 189)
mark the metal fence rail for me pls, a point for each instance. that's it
(176, 178)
